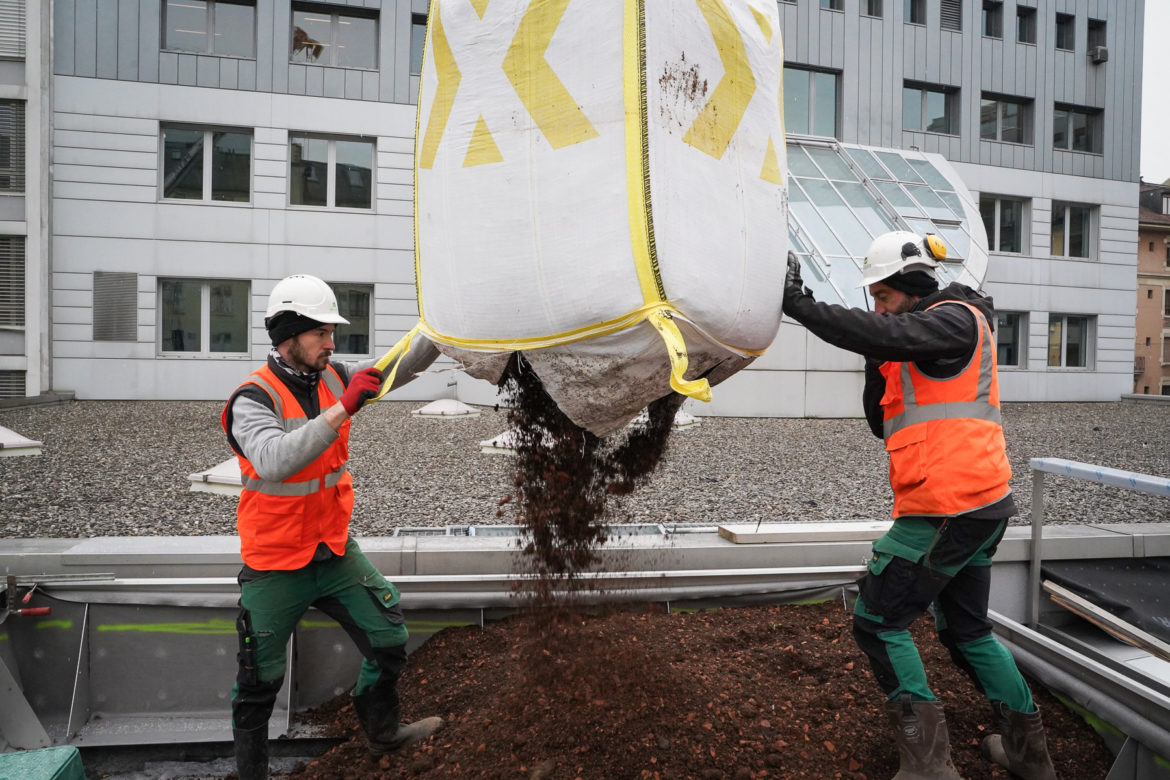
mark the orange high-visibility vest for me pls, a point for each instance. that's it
(945, 436)
(281, 523)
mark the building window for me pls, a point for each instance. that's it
(11, 146)
(993, 18)
(1068, 341)
(1096, 36)
(1166, 302)
(929, 108)
(331, 172)
(203, 316)
(1009, 328)
(1077, 129)
(873, 8)
(1166, 389)
(190, 174)
(1166, 351)
(12, 275)
(353, 303)
(916, 11)
(1025, 24)
(1071, 229)
(223, 27)
(1066, 26)
(833, 5)
(1005, 119)
(324, 35)
(418, 37)
(951, 14)
(1166, 203)
(1004, 220)
(810, 102)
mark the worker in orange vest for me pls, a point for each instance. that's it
(289, 424)
(932, 393)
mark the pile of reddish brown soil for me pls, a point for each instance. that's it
(737, 693)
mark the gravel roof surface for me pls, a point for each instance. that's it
(121, 468)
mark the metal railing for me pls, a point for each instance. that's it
(1144, 483)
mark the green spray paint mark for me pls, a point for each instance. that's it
(208, 627)
(66, 624)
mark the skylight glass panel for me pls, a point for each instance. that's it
(846, 277)
(842, 219)
(811, 220)
(931, 175)
(800, 165)
(932, 204)
(898, 198)
(957, 241)
(868, 164)
(867, 208)
(832, 164)
(953, 202)
(899, 167)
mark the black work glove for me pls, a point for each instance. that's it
(793, 284)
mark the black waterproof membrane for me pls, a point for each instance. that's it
(1137, 590)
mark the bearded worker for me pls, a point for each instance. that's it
(932, 393)
(289, 424)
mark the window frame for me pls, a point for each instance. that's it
(340, 290)
(208, 172)
(335, 15)
(205, 352)
(994, 241)
(331, 172)
(1166, 301)
(210, 24)
(1026, 25)
(416, 21)
(832, 5)
(992, 19)
(950, 107)
(1096, 33)
(914, 11)
(1094, 127)
(1020, 341)
(812, 73)
(1026, 108)
(1062, 30)
(1089, 335)
(1090, 240)
(870, 6)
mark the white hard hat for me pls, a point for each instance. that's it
(901, 252)
(306, 295)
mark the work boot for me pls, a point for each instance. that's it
(924, 748)
(1021, 749)
(384, 732)
(252, 752)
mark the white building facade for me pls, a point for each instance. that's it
(194, 152)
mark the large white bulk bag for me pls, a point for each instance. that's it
(600, 183)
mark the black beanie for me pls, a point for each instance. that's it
(917, 283)
(286, 324)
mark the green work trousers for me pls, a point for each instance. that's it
(348, 589)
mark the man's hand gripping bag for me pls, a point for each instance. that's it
(600, 184)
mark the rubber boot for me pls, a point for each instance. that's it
(252, 752)
(1021, 749)
(384, 732)
(924, 748)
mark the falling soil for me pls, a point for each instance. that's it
(563, 476)
(735, 693)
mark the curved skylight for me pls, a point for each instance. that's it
(842, 196)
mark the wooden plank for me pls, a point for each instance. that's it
(1107, 621)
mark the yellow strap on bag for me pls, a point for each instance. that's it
(395, 355)
(676, 348)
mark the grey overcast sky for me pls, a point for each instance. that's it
(1155, 166)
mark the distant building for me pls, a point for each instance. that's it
(199, 151)
(1151, 352)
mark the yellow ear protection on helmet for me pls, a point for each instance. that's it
(935, 247)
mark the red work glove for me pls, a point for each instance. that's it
(362, 387)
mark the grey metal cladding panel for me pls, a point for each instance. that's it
(296, 79)
(274, 48)
(334, 82)
(353, 84)
(229, 73)
(314, 81)
(370, 85)
(248, 75)
(393, 45)
(128, 40)
(63, 13)
(188, 69)
(168, 68)
(207, 71)
(107, 36)
(85, 39)
(149, 35)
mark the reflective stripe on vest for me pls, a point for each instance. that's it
(293, 488)
(979, 409)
